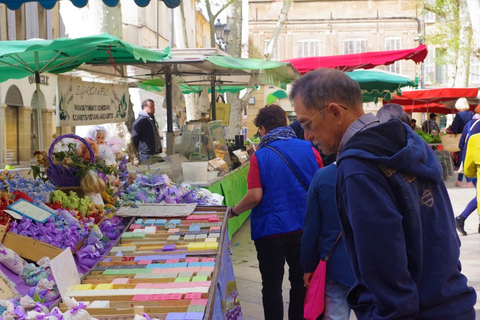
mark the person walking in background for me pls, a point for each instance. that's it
(414, 125)
(461, 119)
(396, 216)
(145, 134)
(277, 186)
(431, 126)
(470, 129)
(472, 164)
(320, 231)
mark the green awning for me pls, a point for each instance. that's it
(19, 59)
(158, 85)
(377, 84)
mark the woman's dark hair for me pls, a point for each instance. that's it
(270, 117)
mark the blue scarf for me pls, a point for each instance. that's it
(280, 133)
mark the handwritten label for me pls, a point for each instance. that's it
(29, 210)
(65, 272)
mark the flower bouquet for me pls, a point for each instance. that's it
(66, 167)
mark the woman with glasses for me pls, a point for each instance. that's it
(280, 173)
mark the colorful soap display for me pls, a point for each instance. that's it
(161, 266)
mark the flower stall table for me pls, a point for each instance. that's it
(159, 266)
(233, 187)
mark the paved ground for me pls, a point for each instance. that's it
(248, 277)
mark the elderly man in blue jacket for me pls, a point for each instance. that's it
(396, 215)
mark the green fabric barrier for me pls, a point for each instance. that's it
(233, 188)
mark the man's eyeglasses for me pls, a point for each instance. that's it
(304, 125)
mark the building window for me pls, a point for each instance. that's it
(276, 53)
(429, 17)
(474, 70)
(393, 43)
(429, 66)
(308, 48)
(440, 66)
(354, 46)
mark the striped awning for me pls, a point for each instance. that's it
(49, 4)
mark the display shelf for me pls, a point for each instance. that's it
(139, 274)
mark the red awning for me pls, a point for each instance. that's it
(366, 60)
(438, 100)
(437, 95)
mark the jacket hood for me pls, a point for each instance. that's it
(395, 145)
(144, 113)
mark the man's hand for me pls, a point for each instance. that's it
(307, 277)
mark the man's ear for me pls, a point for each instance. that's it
(335, 110)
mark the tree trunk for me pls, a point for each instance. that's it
(464, 50)
(190, 101)
(234, 48)
(278, 27)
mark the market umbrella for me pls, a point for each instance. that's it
(365, 60)
(49, 4)
(377, 84)
(207, 67)
(433, 97)
(19, 59)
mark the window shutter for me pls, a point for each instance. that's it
(49, 25)
(31, 19)
(11, 30)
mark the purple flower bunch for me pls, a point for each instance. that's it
(55, 231)
(112, 228)
(157, 188)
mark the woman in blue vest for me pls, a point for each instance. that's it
(280, 173)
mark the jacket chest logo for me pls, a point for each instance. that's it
(427, 198)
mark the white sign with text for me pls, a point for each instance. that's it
(87, 103)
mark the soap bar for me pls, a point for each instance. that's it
(87, 286)
(173, 296)
(199, 302)
(149, 222)
(195, 308)
(175, 316)
(121, 281)
(194, 316)
(150, 230)
(141, 297)
(193, 295)
(157, 297)
(182, 279)
(200, 278)
(104, 286)
(160, 222)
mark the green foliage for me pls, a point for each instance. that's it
(428, 137)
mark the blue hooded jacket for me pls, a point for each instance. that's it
(399, 229)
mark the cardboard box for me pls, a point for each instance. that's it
(29, 248)
(3, 232)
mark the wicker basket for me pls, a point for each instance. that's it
(450, 142)
(62, 176)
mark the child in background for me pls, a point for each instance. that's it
(99, 134)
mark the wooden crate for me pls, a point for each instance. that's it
(29, 248)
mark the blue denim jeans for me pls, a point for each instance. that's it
(336, 307)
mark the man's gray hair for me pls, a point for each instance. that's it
(320, 87)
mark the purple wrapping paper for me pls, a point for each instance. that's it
(22, 288)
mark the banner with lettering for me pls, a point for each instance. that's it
(86, 103)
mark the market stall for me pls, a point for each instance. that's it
(173, 257)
